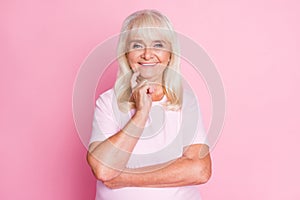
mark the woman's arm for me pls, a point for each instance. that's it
(109, 158)
(194, 167)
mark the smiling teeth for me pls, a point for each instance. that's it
(148, 64)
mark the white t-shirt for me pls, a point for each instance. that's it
(165, 135)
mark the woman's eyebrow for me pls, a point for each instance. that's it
(161, 41)
(137, 41)
(141, 41)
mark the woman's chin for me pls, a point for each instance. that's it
(150, 74)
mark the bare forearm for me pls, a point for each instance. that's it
(109, 158)
(180, 172)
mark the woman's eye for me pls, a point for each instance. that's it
(158, 45)
(136, 46)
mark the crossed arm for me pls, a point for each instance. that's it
(193, 167)
(190, 169)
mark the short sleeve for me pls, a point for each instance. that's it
(191, 122)
(104, 121)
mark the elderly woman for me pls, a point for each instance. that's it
(144, 143)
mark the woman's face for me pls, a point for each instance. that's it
(148, 57)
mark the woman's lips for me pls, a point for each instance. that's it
(148, 64)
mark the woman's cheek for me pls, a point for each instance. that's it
(133, 66)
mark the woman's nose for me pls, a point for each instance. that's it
(148, 53)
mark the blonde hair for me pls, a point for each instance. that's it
(148, 23)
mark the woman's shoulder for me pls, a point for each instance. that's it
(106, 97)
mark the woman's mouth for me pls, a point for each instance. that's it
(148, 64)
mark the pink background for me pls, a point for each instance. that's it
(254, 44)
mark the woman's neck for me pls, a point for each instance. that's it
(158, 93)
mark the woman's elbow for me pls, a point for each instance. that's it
(100, 171)
(105, 175)
(204, 173)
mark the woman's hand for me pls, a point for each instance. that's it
(141, 94)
